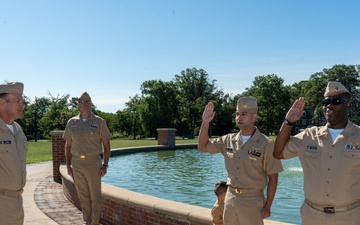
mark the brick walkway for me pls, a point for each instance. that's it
(51, 201)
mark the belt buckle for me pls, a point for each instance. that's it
(238, 191)
(82, 156)
(329, 209)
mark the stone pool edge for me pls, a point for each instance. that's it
(121, 206)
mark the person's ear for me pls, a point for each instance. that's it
(255, 116)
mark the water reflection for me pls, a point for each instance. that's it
(189, 176)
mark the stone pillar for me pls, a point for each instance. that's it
(166, 136)
(58, 153)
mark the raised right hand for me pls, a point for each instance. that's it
(296, 110)
(208, 113)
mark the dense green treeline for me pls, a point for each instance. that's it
(179, 104)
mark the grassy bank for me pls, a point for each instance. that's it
(42, 150)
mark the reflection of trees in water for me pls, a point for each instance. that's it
(175, 174)
(184, 169)
(189, 176)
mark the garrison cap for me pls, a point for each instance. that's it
(12, 88)
(84, 96)
(335, 88)
(245, 103)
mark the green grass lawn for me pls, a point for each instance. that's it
(42, 150)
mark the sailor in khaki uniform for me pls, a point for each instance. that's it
(13, 149)
(330, 157)
(87, 135)
(249, 163)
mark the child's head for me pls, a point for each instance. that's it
(220, 187)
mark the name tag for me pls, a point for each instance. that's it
(5, 142)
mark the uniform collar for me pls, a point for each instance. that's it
(349, 130)
(3, 125)
(90, 116)
(256, 135)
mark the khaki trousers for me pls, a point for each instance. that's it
(88, 185)
(243, 209)
(11, 210)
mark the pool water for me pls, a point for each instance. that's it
(189, 176)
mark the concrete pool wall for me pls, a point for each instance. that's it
(123, 207)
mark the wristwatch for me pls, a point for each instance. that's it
(287, 122)
(105, 165)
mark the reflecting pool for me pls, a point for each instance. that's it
(189, 176)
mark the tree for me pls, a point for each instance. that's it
(57, 115)
(273, 101)
(225, 107)
(124, 123)
(195, 90)
(314, 89)
(158, 106)
(33, 112)
(132, 111)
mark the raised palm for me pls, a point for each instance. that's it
(208, 113)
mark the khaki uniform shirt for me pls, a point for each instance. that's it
(331, 168)
(245, 162)
(13, 150)
(86, 136)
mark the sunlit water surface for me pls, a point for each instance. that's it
(189, 176)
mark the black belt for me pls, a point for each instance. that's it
(11, 193)
(331, 209)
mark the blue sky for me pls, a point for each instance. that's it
(110, 47)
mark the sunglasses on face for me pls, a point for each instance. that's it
(334, 101)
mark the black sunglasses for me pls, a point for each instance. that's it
(334, 101)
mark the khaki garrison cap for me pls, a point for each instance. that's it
(335, 88)
(245, 103)
(12, 88)
(84, 96)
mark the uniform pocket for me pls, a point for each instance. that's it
(350, 161)
(312, 154)
(312, 160)
(5, 147)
